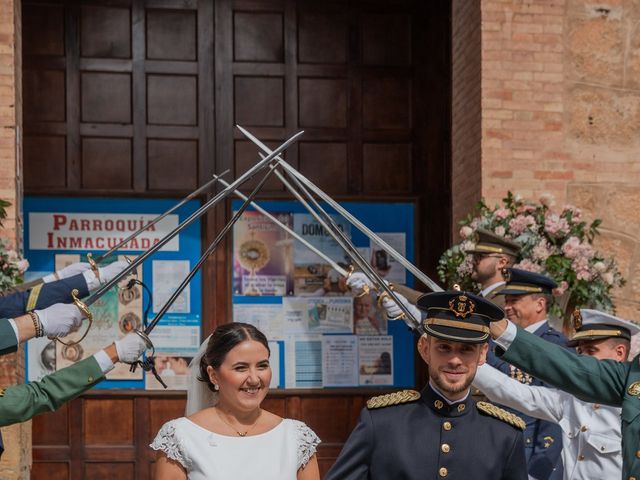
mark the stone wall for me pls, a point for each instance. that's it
(17, 438)
(561, 114)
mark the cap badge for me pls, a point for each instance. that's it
(577, 318)
(462, 306)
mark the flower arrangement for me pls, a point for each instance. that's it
(557, 244)
(12, 266)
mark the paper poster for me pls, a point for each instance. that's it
(303, 357)
(167, 276)
(340, 361)
(387, 266)
(318, 314)
(115, 314)
(174, 371)
(274, 362)
(41, 358)
(262, 255)
(314, 276)
(368, 318)
(376, 360)
(268, 318)
(180, 340)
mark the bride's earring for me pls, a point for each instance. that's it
(216, 387)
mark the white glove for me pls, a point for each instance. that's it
(60, 319)
(66, 272)
(109, 272)
(393, 310)
(358, 283)
(130, 347)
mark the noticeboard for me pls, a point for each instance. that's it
(324, 336)
(61, 230)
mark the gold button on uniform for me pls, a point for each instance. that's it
(461, 407)
(638, 454)
(90, 379)
(447, 426)
(445, 448)
(443, 472)
(438, 404)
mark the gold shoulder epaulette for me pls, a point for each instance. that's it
(499, 413)
(395, 398)
(1, 392)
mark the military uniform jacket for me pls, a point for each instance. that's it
(542, 439)
(429, 439)
(19, 403)
(591, 437)
(592, 380)
(42, 296)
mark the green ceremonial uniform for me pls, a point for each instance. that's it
(8, 340)
(19, 403)
(592, 380)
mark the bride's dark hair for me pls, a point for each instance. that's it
(223, 339)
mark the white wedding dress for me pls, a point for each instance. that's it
(273, 455)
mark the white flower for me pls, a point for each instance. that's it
(499, 230)
(466, 232)
(547, 200)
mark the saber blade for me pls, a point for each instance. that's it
(195, 215)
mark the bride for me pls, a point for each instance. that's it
(226, 435)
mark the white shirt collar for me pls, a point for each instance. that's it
(535, 326)
(450, 402)
(491, 288)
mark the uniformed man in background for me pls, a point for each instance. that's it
(591, 436)
(440, 432)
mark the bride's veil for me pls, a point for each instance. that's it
(198, 394)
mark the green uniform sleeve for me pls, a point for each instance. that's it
(19, 403)
(589, 379)
(8, 340)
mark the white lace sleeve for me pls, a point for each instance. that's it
(167, 441)
(307, 443)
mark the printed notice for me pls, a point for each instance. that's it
(167, 276)
(339, 361)
(267, 318)
(387, 266)
(376, 360)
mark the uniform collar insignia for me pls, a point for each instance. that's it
(634, 389)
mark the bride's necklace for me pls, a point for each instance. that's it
(240, 434)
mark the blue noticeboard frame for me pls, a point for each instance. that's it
(189, 249)
(380, 218)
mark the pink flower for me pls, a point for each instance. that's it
(501, 213)
(541, 251)
(520, 223)
(553, 224)
(571, 246)
(583, 274)
(466, 232)
(562, 287)
(525, 209)
(529, 266)
(499, 230)
(608, 278)
(466, 267)
(576, 213)
(547, 200)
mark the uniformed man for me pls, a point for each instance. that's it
(590, 379)
(57, 291)
(19, 403)
(591, 436)
(440, 432)
(528, 298)
(492, 254)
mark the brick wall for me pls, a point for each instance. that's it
(17, 457)
(466, 179)
(560, 114)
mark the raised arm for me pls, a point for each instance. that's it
(589, 379)
(538, 402)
